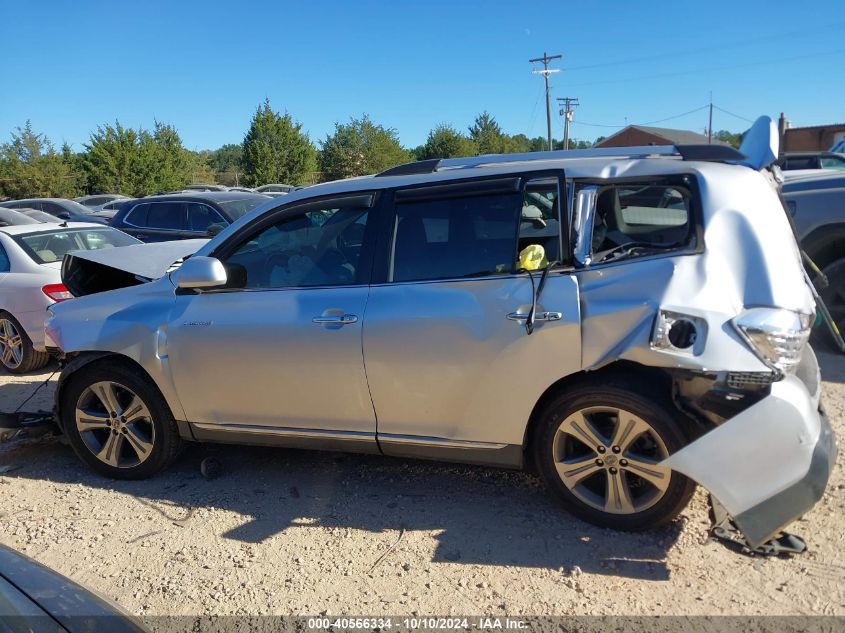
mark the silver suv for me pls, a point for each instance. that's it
(626, 322)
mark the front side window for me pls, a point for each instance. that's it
(202, 216)
(643, 219)
(540, 221)
(451, 238)
(319, 247)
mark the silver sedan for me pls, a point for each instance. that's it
(30, 280)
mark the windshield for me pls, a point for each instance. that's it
(236, 208)
(52, 246)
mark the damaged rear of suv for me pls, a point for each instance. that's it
(626, 322)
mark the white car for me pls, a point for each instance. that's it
(30, 280)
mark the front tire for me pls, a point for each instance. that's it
(117, 421)
(598, 447)
(16, 351)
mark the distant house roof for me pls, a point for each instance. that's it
(667, 135)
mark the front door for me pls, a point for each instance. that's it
(451, 366)
(279, 350)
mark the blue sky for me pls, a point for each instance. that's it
(204, 66)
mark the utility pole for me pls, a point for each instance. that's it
(710, 124)
(569, 104)
(546, 72)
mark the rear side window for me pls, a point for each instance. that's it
(455, 237)
(641, 219)
(166, 215)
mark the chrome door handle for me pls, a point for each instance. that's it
(341, 319)
(538, 316)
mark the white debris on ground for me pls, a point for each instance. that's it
(298, 533)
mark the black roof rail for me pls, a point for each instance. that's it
(715, 153)
(419, 167)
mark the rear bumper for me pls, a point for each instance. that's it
(770, 463)
(790, 503)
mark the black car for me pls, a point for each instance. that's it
(36, 598)
(183, 216)
(57, 207)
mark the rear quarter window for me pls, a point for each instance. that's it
(648, 217)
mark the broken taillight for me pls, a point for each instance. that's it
(57, 292)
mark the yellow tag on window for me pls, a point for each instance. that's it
(532, 257)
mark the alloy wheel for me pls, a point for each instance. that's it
(11, 344)
(608, 458)
(115, 424)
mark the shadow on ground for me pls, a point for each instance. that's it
(482, 515)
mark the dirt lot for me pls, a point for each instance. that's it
(297, 532)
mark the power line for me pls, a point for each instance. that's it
(732, 114)
(709, 69)
(676, 116)
(546, 72)
(709, 49)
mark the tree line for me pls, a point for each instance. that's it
(139, 162)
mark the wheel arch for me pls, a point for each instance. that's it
(649, 380)
(83, 359)
(825, 244)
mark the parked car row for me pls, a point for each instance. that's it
(58, 207)
(273, 190)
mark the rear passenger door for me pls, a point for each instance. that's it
(451, 368)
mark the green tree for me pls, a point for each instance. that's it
(172, 168)
(227, 158)
(136, 162)
(733, 139)
(276, 149)
(444, 141)
(30, 167)
(487, 134)
(360, 147)
(113, 161)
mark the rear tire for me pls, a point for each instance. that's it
(597, 447)
(117, 421)
(16, 351)
(834, 298)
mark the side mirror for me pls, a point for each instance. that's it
(63, 215)
(214, 229)
(199, 272)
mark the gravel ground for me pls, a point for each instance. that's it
(302, 533)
